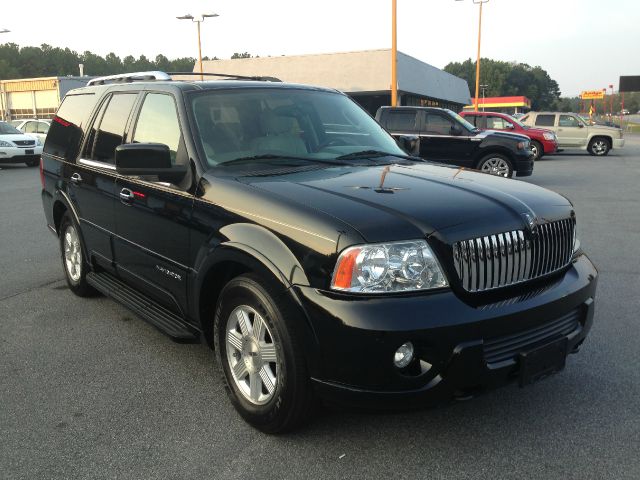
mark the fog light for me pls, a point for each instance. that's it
(403, 355)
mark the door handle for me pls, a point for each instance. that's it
(76, 178)
(126, 196)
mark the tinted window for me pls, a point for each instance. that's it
(158, 123)
(7, 129)
(438, 124)
(568, 121)
(477, 121)
(111, 130)
(398, 120)
(545, 120)
(65, 133)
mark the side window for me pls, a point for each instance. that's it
(567, 121)
(158, 123)
(496, 123)
(111, 130)
(545, 120)
(31, 127)
(65, 133)
(43, 128)
(438, 124)
(402, 120)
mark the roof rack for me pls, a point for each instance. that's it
(228, 75)
(129, 77)
(159, 76)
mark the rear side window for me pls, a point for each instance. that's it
(545, 120)
(399, 120)
(110, 131)
(158, 123)
(65, 133)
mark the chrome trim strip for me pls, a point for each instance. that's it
(96, 164)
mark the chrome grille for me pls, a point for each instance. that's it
(507, 258)
(25, 143)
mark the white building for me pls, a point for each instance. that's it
(364, 75)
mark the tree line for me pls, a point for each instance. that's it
(506, 79)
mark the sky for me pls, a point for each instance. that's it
(583, 44)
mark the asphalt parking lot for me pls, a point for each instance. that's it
(88, 390)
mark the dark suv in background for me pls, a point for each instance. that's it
(284, 226)
(444, 136)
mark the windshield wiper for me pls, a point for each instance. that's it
(271, 156)
(374, 154)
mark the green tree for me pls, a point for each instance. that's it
(241, 55)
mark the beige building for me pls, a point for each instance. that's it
(364, 75)
(35, 97)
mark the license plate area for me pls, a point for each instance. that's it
(28, 152)
(542, 361)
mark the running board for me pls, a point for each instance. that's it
(157, 315)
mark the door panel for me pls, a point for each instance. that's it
(570, 133)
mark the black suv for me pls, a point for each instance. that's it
(444, 136)
(284, 226)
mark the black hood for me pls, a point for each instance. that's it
(416, 200)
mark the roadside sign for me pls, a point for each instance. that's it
(592, 95)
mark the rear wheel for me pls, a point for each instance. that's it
(260, 356)
(73, 262)
(496, 164)
(599, 146)
(537, 149)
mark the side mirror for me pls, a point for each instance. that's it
(509, 126)
(409, 143)
(580, 125)
(456, 130)
(148, 159)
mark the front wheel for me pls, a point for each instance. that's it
(260, 356)
(599, 147)
(537, 149)
(496, 164)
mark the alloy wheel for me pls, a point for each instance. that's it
(72, 253)
(496, 166)
(599, 147)
(251, 355)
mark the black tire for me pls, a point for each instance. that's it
(32, 163)
(291, 402)
(537, 149)
(77, 285)
(599, 146)
(486, 162)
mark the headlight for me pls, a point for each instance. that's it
(549, 136)
(523, 146)
(388, 267)
(576, 240)
(5, 144)
(38, 142)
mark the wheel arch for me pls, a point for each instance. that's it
(482, 154)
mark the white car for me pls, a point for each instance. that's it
(17, 147)
(35, 128)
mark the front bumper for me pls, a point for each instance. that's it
(549, 146)
(523, 164)
(357, 337)
(19, 155)
(618, 143)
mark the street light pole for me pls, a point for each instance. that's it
(483, 87)
(478, 60)
(199, 20)
(394, 55)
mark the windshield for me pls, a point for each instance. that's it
(293, 123)
(6, 129)
(465, 123)
(517, 122)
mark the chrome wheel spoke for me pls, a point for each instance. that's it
(243, 322)
(240, 370)
(268, 352)
(258, 328)
(234, 339)
(255, 386)
(268, 380)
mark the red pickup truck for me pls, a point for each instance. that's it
(542, 141)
